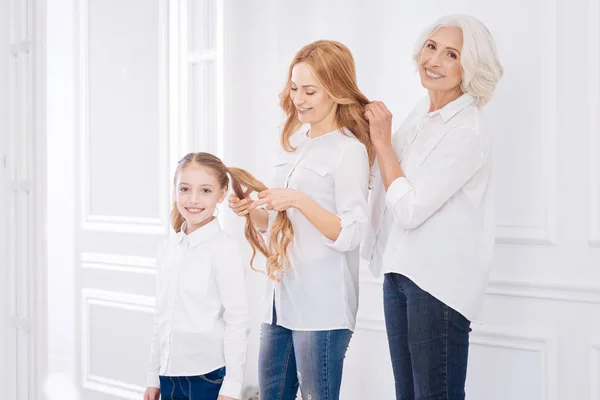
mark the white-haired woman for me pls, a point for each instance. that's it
(432, 209)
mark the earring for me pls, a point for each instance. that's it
(217, 210)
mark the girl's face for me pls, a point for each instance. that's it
(197, 193)
(313, 103)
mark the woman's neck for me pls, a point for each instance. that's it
(438, 99)
(328, 124)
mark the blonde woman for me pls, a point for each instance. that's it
(322, 182)
(433, 209)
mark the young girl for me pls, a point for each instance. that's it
(321, 183)
(202, 319)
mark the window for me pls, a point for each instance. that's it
(196, 78)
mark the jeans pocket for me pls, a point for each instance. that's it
(215, 377)
(218, 381)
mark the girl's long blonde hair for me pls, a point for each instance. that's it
(332, 64)
(281, 233)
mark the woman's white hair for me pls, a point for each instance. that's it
(479, 60)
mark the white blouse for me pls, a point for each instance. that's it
(320, 291)
(436, 224)
(202, 318)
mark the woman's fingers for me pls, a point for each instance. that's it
(258, 203)
(240, 207)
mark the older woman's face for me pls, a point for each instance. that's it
(439, 61)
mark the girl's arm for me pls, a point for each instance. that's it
(229, 276)
(152, 380)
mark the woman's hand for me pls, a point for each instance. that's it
(278, 199)
(380, 123)
(152, 393)
(241, 207)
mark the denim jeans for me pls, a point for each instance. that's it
(311, 360)
(428, 341)
(200, 387)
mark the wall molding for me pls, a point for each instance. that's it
(118, 263)
(593, 36)
(537, 342)
(545, 234)
(123, 301)
(504, 338)
(23, 169)
(158, 225)
(114, 388)
(594, 349)
(545, 290)
(573, 293)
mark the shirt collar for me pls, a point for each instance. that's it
(200, 235)
(454, 107)
(301, 135)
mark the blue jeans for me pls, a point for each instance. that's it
(200, 387)
(428, 341)
(311, 360)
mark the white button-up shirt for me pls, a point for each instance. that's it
(320, 290)
(436, 224)
(202, 318)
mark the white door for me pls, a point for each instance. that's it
(132, 87)
(108, 178)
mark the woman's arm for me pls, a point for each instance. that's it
(450, 165)
(260, 219)
(326, 222)
(454, 160)
(343, 228)
(281, 199)
(259, 216)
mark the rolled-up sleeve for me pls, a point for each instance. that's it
(229, 273)
(351, 180)
(454, 160)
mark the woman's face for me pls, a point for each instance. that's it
(312, 102)
(439, 61)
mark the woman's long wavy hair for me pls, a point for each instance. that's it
(281, 233)
(332, 65)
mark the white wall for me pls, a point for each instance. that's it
(251, 113)
(538, 335)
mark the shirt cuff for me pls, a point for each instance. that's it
(271, 214)
(152, 380)
(397, 190)
(350, 221)
(231, 388)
